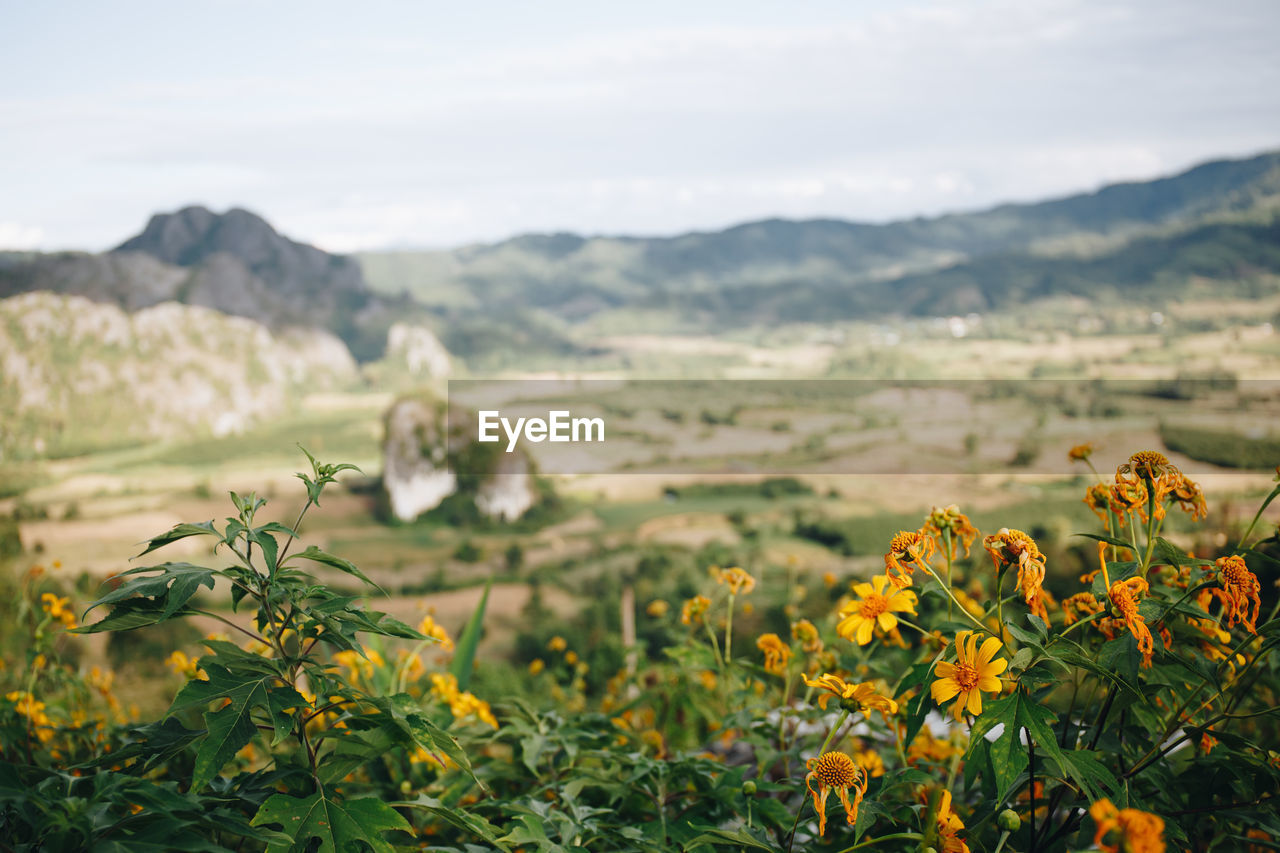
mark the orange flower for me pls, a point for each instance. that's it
(957, 523)
(975, 671)
(740, 583)
(693, 609)
(1077, 606)
(1156, 475)
(859, 619)
(906, 549)
(1124, 595)
(1146, 465)
(807, 635)
(949, 824)
(1098, 498)
(1239, 587)
(835, 771)
(1015, 548)
(1080, 452)
(1130, 830)
(1190, 498)
(777, 654)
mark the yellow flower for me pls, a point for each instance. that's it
(906, 549)
(974, 672)
(571, 658)
(536, 666)
(1130, 830)
(557, 644)
(870, 761)
(862, 696)
(1124, 595)
(1189, 497)
(835, 771)
(1240, 587)
(708, 679)
(739, 582)
(657, 608)
(1015, 548)
(829, 579)
(183, 665)
(436, 632)
(694, 609)
(859, 619)
(777, 654)
(58, 608)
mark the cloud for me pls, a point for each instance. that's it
(14, 235)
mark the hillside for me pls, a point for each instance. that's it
(836, 264)
(235, 263)
(77, 375)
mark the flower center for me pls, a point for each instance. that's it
(873, 605)
(904, 541)
(966, 676)
(835, 770)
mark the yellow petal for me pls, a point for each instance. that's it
(972, 648)
(995, 667)
(880, 582)
(904, 601)
(989, 683)
(887, 621)
(989, 648)
(975, 702)
(943, 689)
(961, 637)
(862, 590)
(945, 670)
(864, 631)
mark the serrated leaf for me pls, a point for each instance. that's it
(458, 818)
(337, 825)
(176, 584)
(1093, 777)
(180, 531)
(315, 555)
(229, 730)
(738, 838)
(134, 613)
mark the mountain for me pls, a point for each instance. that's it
(77, 374)
(840, 268)
(235, 263)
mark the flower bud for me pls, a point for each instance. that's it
(406, 787)
(1009, 821)
(749, 787)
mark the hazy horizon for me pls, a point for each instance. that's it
(389, 126)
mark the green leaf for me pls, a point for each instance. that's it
(315, 555)
(229, 730)
(177, 583)
(1167, 553)
(248, 689)
(1093, 777)
(180, 531)
(1110, 540)
(338, 826)
(464, 654)
(127, 615)
(465, 821)
(738, 838)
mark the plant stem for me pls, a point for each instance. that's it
(900, 836)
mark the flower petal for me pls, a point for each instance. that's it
(865, 631)
(995, 667)
(887, 621)
(990, 646)
(944, 669)
(989, 683)
(943, 689)
(862, 590)
(975, 702)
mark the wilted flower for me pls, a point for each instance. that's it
(1128, 830)
(806, 633)
(693, 609)
(739, 582)
(952, 520)
(863, 697)
(1240, 587)
(777, 654)
(906, 549)
(835, 771)
(1124, 595)
(1013, 547)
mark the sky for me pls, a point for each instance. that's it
(373, 124)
